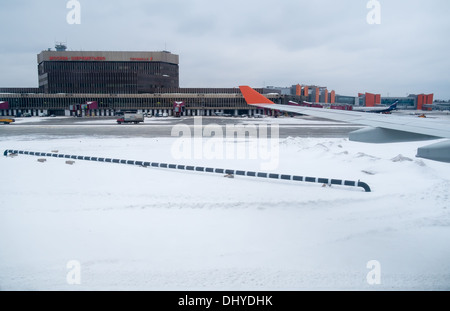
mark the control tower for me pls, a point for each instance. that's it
(60, 47)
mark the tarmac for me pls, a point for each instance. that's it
(67, 127)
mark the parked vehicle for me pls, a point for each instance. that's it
(221, 114)
(131, 118)
(7, 120)
(260, 116)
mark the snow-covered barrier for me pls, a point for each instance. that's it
(229, 172)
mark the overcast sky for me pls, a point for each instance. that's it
(247, 42)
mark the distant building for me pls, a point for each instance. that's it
(84, 72)
(347, 100)
(310, 93)
(369, 99)
(419, 102)
(282, 90)
(409, 102)
(197, 102)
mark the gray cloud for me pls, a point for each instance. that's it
(225, 44)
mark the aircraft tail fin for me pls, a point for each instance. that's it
(252, 97)
(394, 105)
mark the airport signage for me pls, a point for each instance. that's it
(77, 58)
(141, 59)
(95, 58)
(85, 106)
(4, 105)
(91, 105)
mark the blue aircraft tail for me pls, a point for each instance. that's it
(393, 106)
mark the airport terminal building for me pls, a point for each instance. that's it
(102, 83)
(107, 72)
(196, 104)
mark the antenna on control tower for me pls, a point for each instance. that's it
(60, 46)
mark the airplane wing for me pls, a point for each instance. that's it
(384, 128)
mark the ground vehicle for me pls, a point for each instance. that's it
(131, 118)
(6, 120)
(259, 116)
(179, 107)
(221, 114)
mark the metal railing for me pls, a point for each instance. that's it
(229, 172)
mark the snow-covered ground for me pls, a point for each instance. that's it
(299, 121)
(135, 228)
(24, 120)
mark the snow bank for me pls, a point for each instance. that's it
(135, 228)
(25, 120)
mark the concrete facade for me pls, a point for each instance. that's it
(107, 72)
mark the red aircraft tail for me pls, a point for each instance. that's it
(254, 98)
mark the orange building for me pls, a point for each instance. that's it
(317, 95)
(423, 99)
(298, 90)
(306, 91)
(371, 99)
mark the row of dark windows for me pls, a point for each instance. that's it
(105, 67)
(123, 83)
(207, 90)
(107, 77)
(125, 103)
(166, 90)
